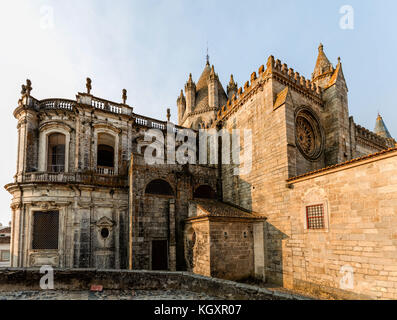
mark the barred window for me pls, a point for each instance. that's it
(315, 217)
(45, 230)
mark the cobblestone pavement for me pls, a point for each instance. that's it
(105, 295)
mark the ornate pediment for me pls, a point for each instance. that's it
(105, 222)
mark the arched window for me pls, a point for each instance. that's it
(159, 187)
(204, 192)
(105, 153)
(56, 152)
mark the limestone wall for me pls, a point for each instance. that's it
(359, 242)
(232, 250)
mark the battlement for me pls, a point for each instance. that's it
(370, 136)
(277, 70)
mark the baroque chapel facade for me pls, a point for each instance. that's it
(84, 196)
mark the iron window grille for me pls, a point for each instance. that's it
(45, 230)
(315, 217)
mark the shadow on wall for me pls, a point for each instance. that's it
(240, 194)
(274, 254)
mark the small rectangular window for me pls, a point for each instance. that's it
(315, 217)
(5, 255)
(45, 230)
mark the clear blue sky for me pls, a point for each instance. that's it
(150, 47)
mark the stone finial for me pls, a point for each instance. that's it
(124, 97)
(168, 114)
(190, 84)
(323, 65)
(88, 85)
(27, 88)
(213, 75)
(231, 87)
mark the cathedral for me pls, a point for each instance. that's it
(316, 210)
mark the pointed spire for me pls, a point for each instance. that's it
(207, 56)
(323, 65)
(212, 70)
(380, 128)
(231, 87)
(213, 75)
(231, 82)
(190, 80)
(190, 83)
(181, 98)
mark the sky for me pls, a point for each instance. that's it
(150, 47)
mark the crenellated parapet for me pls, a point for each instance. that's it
(275, 70)
(368, 137)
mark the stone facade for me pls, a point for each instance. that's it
(360, 201)
(220, 241)
(116, 210)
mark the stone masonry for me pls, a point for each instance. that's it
(85, 196)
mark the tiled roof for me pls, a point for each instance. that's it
(213, 208)
(373, 155)
(4, 240)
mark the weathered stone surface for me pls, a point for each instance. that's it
(80, 279)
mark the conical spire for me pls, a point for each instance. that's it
(380, 128)
(323, 65)
(231, 87)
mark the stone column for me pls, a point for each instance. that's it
(172, 242)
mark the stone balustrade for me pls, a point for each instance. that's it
(73, 178)
(105, 170)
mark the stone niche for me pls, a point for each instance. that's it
(224, 241)
(104, 242)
